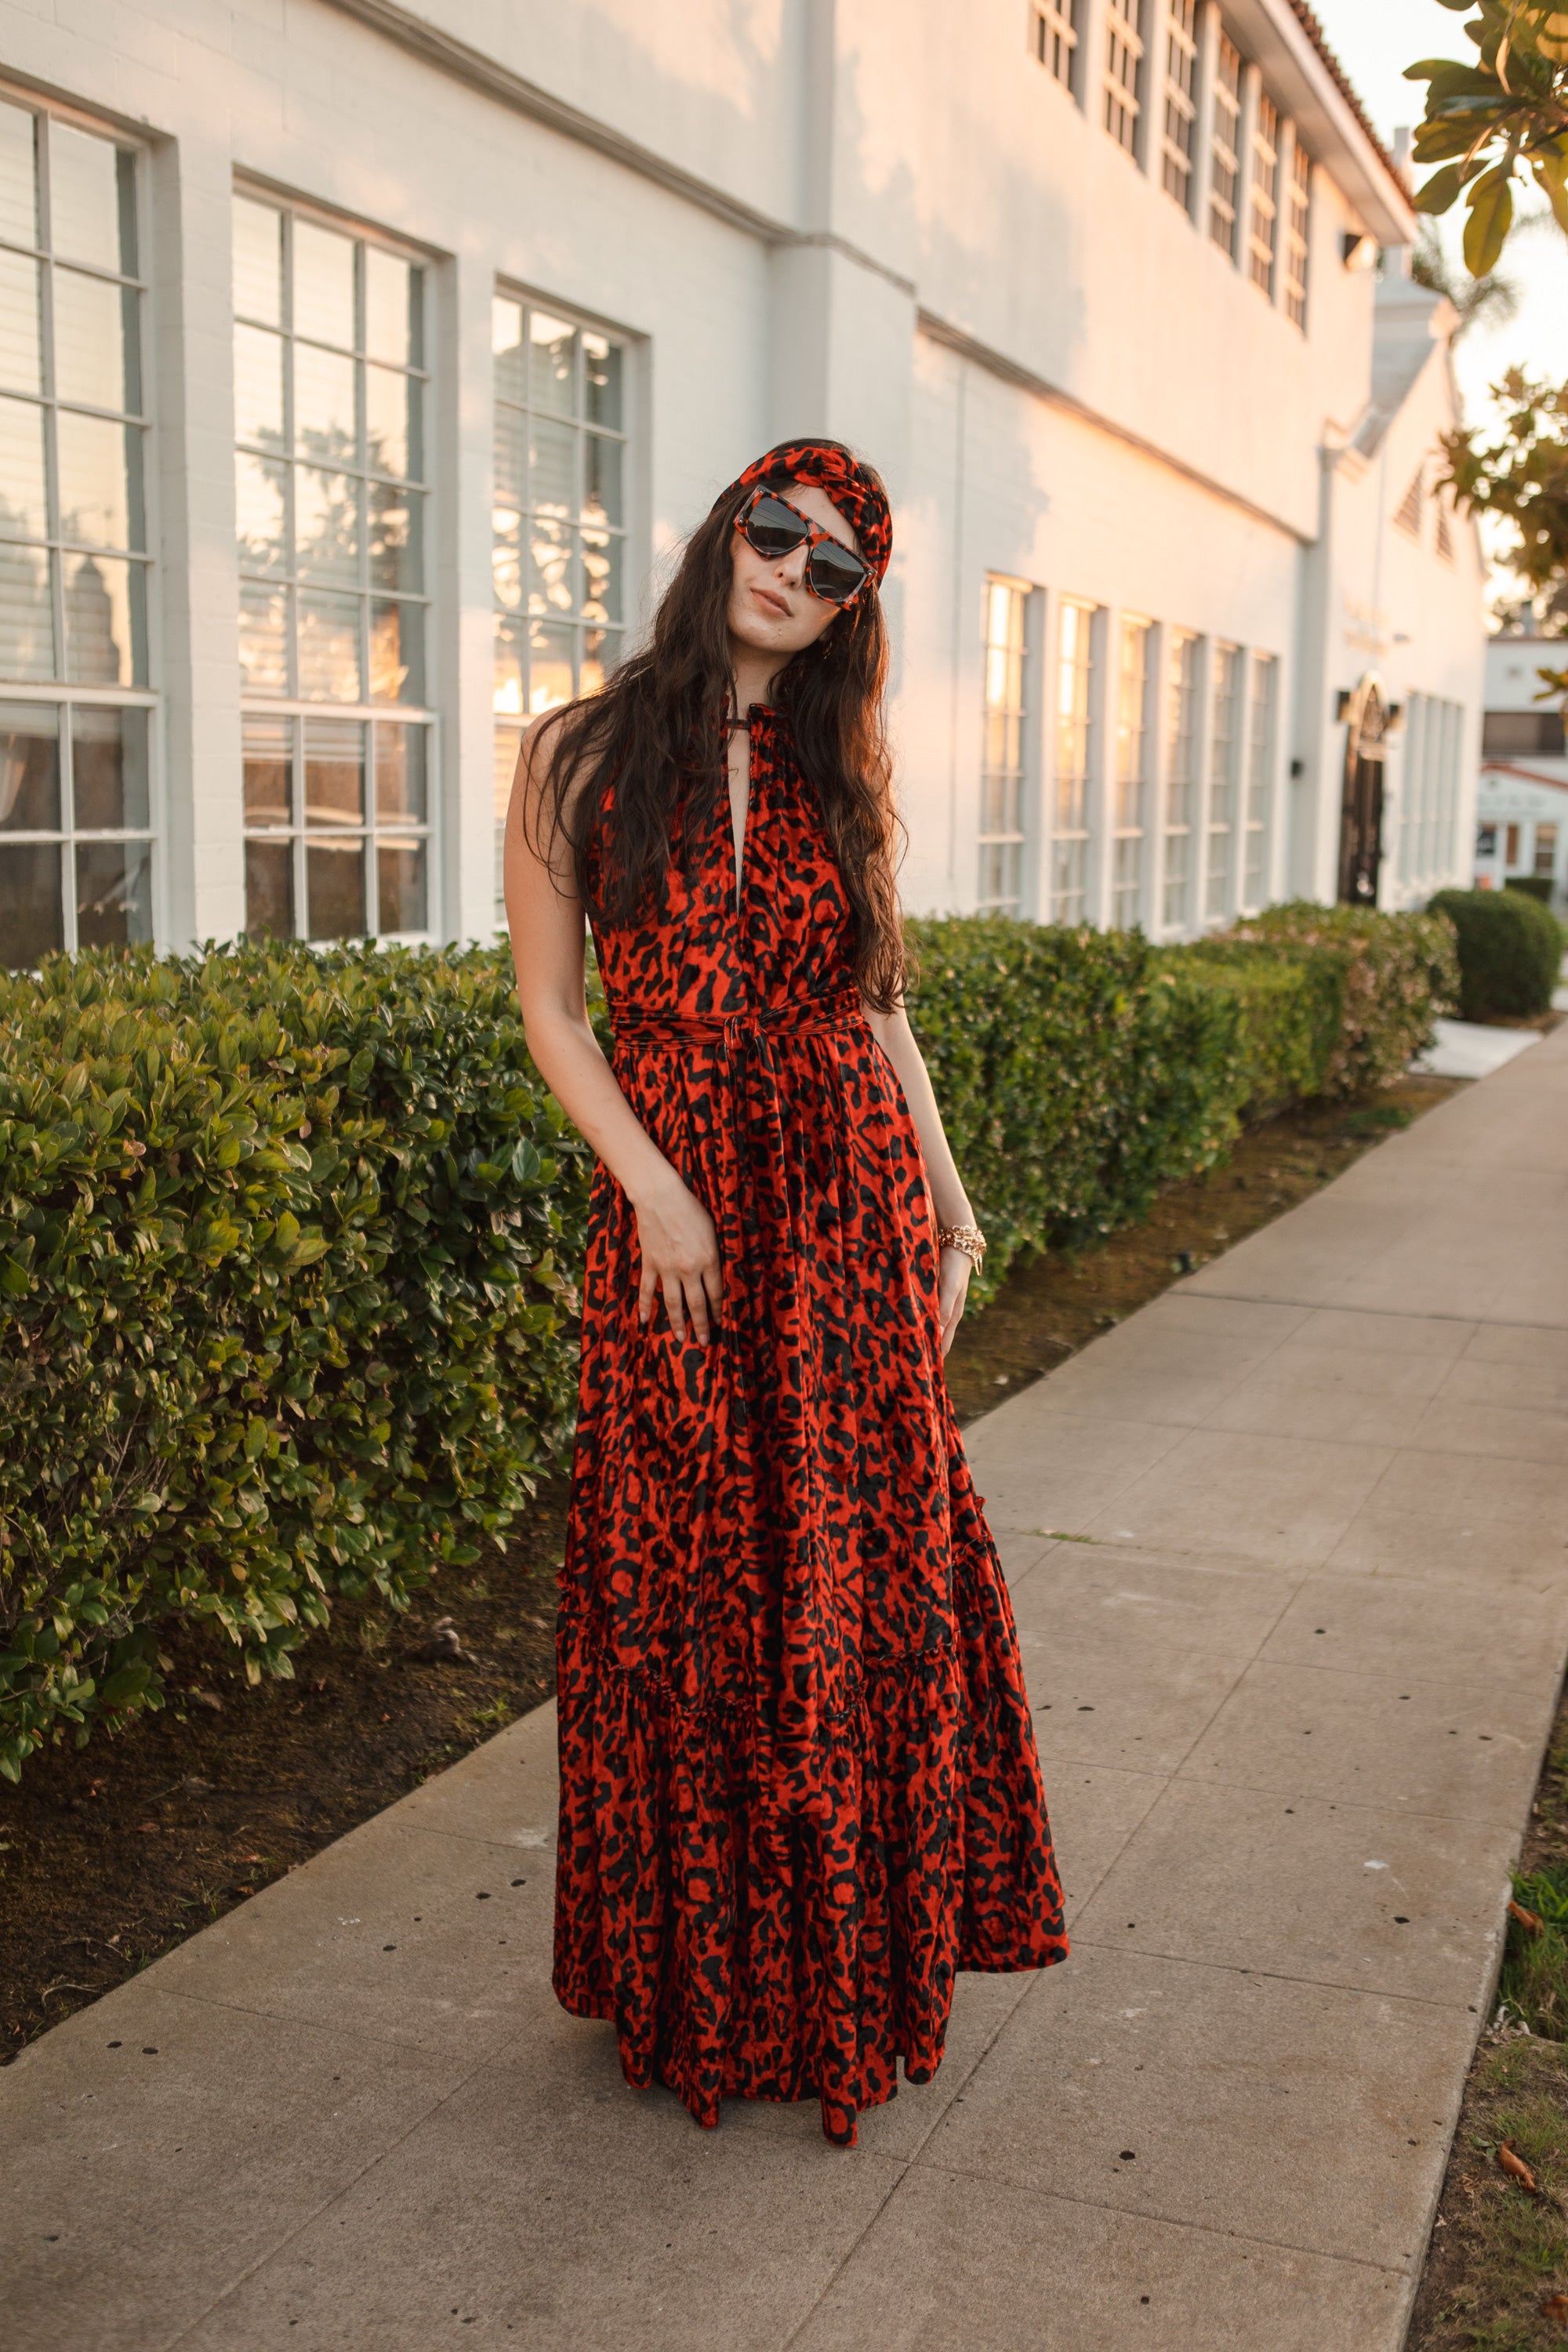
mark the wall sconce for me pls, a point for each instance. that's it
(1342, 705)
(1357, 249)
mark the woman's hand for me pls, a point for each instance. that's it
(680, 1251)
(952, 1289)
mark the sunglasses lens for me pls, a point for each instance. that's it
(835, 572)
(772, 529)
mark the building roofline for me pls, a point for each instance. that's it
(1310, 85)
(1528, 775)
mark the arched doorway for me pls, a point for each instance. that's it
(1361, 809)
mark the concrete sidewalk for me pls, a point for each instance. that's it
(1288, 1555)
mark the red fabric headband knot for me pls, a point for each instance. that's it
(854, 488)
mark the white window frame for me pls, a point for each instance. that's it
(1262, 733)
(1179, 140)
(1297, 228)
(1263, 231)
(1181, 719)
(1003, 847)
(1075, 664)
(1226, 190)
(1054, 33)
(59, 691)
(303, 830)
(1125, 71)
(1131, 778)
(1227, 679)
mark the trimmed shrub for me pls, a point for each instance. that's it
(1398, 971)
(1534, 885)
(1511, 948)
(289, 1245)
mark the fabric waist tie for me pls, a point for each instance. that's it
(797, 1016)
(797, 1690)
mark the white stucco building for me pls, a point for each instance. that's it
(362, 363)
(1521, 804)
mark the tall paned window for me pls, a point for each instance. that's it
(1224, 749)
(1132, 777)
(560, 517)
(1180, 778)
(1069, 841)
(1224, 172)
(1054, 36)
(1413, 793)
(330, 402)
(75, 806)
(1001, 781)
(1260, 723)
(1179, 144)
(1264, 226)
(1298, 215)
(1124, 70)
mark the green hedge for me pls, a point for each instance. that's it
(1396, 971)
(285, 1257)
(289, 1243)
(1511, 948)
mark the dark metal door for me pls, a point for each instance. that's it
(1361, 811)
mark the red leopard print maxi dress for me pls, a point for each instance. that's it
(798, 1780)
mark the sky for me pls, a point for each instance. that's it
(1374, 41)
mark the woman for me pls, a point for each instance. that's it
(799, 1785)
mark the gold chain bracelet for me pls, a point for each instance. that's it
(967, 1238)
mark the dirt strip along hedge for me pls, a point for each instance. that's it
(289, 1241)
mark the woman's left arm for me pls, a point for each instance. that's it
(949, 1198)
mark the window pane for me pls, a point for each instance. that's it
(106, 621)
(109, 769)
(551, 587)
(258, 386)
(551, 351)
(334, 889)
(334, 772)
(389, 291)
(506, 343)
(511, 674)
(508, 743)
(326, 525)
(552, 479)
(392, 420)
(323, 284)
(505, 564)
(114, 894)
(328, 649)
(27, 618)
(263, 638)
(602, 381)
(258, 261)
(602, 488)
(269, 771)
(29, 768)
(31, 921)
(324, 405)
(22, 509)
(259, 488)
(96, 355)
(602, 576)
(400, 882)
(550, 651)
(100, 480)
(396, 653)
(395, 520)
(269, 890)
(19, 349)
(600, 652)
(400, 773)
(18, 179)
(510, 468)
(89, 217)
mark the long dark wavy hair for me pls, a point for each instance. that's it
(651, 754)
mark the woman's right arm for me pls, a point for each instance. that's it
(676, 1238)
